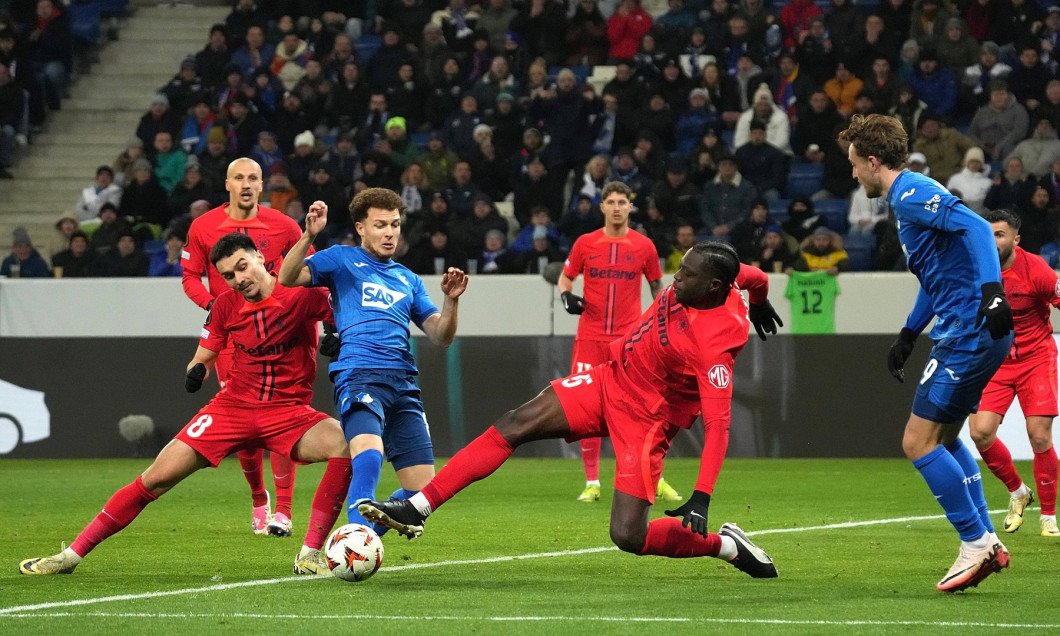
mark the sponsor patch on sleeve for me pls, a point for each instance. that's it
(205, 335)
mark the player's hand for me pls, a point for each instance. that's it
(454, 282)
(764, 318)
(330, 344)
(195, 376)
(316, 218)
(994, 310)
(694, 512)
(899, 353)
(573, 304)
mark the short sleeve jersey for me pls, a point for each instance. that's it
(374, 303)
(612, 268)
(812, 296)
(1032, 289)
(944, 243)
(273, 232)
(274, 343)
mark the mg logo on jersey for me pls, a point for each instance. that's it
(373, 295)
(718, 376)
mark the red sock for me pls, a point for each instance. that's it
(283, 472)
(329, 501)
(119, 511)
(251, 459)
(475, 461)
(999, 461)
(668, 538)
(1045, 475)
(591, 457)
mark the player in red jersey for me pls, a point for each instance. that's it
(612, 261)
(670, 367)
(274, 233)
(1029, 373)
(265, 404)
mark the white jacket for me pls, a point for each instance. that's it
(862, 208)
(778, 129)
(88, 205)
(972, 187)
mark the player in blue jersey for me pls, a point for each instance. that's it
(375, 298)
(951, 251)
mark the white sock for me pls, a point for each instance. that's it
(420, 503)
(69, 554)
(728, 549)
(1050, 517)
(593, 482)
(306, 550)
(979, 543)
(1021, 491)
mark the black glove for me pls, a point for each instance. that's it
(330, 343)
(764, 318)
(573, 304)
(899, 353)
(694, 512)
(995, 310)
(193, 381)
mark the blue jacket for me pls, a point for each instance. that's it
(938, 90)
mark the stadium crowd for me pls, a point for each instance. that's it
(498, 122)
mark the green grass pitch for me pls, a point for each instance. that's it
(190, 562)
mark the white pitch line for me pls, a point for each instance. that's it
(416, 566)
(542, 619)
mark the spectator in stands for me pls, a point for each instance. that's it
(1040, 150)
(999, 125)
(125, 259)
(51, 50)
(978, 77)
(773, 253)
(1012, 189)
(295, 210)
(722, 94)
(490, 169)
(1049, 38)
(1017, 21)
(265, 92)
(213, 163)
(191, 188)
(498, 79)
(597, 171)
(684, 240)
(795, 20)
(1028, 78)
(843, 89)
(60, 238)
(479, 61)
(266, 152)
(747, 72)
(462, 190)
(822, 251)
(104, 190)
(24, 260)
(233, 86)
(928, 22)
(304, 159)
(185, 86)
(278, 187)
(566, 113)
(676, 197)
(436, 214)
(936, 85)
(673, 85)
(405, 96)
(214, 57)
(778, 129)
(846, 23)
(289, 60)
(181, 224)
(540, 216)
(244, 15)
(625, 28)
(446, 89)
(726, 199)
(983, 18)
(908, 109)
(469, 233)
(341, 54)
(692, 123)
(918, 163)
(110, 227)
(1040, 221)
(624, 168)
(542, 252)
(717, 21)
(656, 116)
(15, 57)
(766, 167)
(973, 182)
(837, 182)
(628, 88)
(586, 35)
(705, 156)
(865, 213)
(583, 218)
(507, 123)
(816, 54)
(460, 126)
(144, 199)
(396, 145)
(649, 152)
(122, 166)
(758, 17)
(816, 128)
(438, 161)
(415, 190)
(747, 234)
(166, 262)
(197, 125)
(649, 58)
(156, 119)
(77, 261)
(436, 254)
(255, 52)
(1051, 182)
(942, 146)
(291, 120)
(493, 258)
(536, 187)
(882, 85)
(736, 43)
(789, 83)
(1050, 104)
(347, 105)
(169, 161)
(802, 219)
(909, 61)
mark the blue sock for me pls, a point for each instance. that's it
(366, 468)
(973, 479)
(945, 478)
(400, 493)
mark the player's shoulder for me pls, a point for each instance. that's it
(207, 221)
(1035, 264)
(274, 218)
(588, 239)
(226, 302)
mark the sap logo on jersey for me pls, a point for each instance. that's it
(373, 295)
(718, 376)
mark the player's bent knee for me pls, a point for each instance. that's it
(627, 539)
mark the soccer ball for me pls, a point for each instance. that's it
(353, 552)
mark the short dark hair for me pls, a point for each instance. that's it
(880, 136)
(380, 198)
(722, 258)
(612, 187)
(229, 244)
(1004, 215)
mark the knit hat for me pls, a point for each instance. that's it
(216, 135)
(482, 128)
(496, 234)
(396, 122)
(822, 231)
(990, 47)
(918, 157)
(504, 97)
(699, 92)
(66, 217)
(189, 62)
(763, 94)
(20, 237)
(141, 164)
(160, 98)
(973, 153)
(134, 142)
(304, 139)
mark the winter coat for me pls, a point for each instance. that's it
(1001, 129)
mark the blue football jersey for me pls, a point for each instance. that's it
(949, 248)
(374, 303)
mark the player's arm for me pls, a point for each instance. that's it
(440, 327)
(655, 287)
(759, 311)
(902, 347)
(572, 303)
(294, 272)
(199, 368)
(193, 263)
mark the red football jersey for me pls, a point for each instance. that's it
(272, 231)
(612, 268)
(274, 343)
(1032, 288)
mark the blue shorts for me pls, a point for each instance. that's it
(956, 374)
(386, 404)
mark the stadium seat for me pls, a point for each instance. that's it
(869, 7)
(85, 21)
(153, 247)
(1051, 253)
(366, 47)
(778, 210)
(995, 167)
(581, 73)
(835, 213)
(859, 247)
(804, 179)
(114, 8)
(603, 73)
(507, 210)
(728, 137)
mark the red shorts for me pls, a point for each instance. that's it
(596, 407)
(1033, 381)
(588, 353)
(224, 426)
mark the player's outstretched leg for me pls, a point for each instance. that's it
(327, 504)
(283, 474)
(590, 449)
(399, 515)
